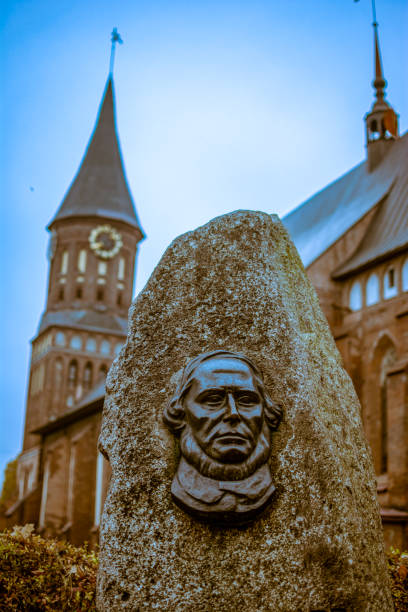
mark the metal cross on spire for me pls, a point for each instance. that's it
(375, 24)
(115, 38)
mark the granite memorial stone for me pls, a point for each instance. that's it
(241, 478)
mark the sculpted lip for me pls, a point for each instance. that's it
(231, 436)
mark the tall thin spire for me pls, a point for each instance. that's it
(381, 121)
(379, 82)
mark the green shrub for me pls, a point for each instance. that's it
(398, 566)
(38, 574)
(49, 575)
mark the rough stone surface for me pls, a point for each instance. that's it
(237, 283)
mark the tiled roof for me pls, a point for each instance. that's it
(317, 223)
(100, 187)
(387, 232)
(84, 319)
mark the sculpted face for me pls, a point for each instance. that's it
(224, 409)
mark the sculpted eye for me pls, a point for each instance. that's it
(213, 399)
(248, 399)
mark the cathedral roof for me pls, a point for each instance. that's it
(89, 320)
(317, 223)
(100, 187)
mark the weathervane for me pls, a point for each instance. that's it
(115, 38)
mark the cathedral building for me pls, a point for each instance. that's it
(353, 239)
(93, 244)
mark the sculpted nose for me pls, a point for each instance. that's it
(232, 412)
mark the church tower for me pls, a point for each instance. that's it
(93, 246)
(381, 121)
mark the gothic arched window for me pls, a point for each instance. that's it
(72, 373)
(405, 276)
(58, 374)
(356, 296)
(372, 289)
(105, 347)
(91, 345)
(121, 268)
(103, 370)
(60, 338)
(64, 262)
(82, 261)
(76, 342)
(384, 357)
(88, 375)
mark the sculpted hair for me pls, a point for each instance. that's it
(174, 414)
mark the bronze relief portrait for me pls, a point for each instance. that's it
(224, 417)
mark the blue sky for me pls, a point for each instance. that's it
(220, 105)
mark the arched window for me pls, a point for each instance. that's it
(390, 283)
(82, 261)
(91, 345)
(103, 370)
(405, 276)
(98, 489)
(60, 338)
(64, 262)
(105, 347)
(384, 357)
(58, 374)
(76, 343)
(72, 373)
(356, 296)
(102, 268)
(372, 290)
(88, 375)
(121, 268)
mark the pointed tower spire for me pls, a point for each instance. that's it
(100, 187)
(379, 82)
(381, 121)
